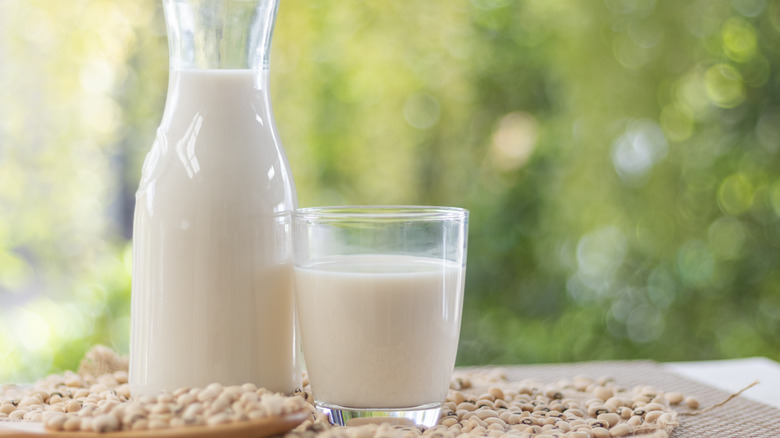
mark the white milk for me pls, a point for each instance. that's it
(212, 293)
(380, 331)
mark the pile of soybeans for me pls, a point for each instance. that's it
(480, 403)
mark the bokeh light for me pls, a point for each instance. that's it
(620, 160)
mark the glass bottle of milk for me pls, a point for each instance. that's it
(212, 296)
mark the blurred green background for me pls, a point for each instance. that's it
(620, 158)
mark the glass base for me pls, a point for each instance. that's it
(425, 415)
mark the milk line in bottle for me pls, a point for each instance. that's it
(212, 296)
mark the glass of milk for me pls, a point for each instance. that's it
(379, 293)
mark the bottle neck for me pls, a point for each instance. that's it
(220, 34)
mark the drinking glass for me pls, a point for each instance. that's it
(379, 293)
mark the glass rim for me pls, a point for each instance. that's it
(381, 212)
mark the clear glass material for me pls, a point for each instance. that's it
(379, 291)
(212, 294)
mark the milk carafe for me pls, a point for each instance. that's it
(212, 285)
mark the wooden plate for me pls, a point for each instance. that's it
(260, 428)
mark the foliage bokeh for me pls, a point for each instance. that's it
(619, 159)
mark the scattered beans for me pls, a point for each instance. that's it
(75, 402)
(479, 404)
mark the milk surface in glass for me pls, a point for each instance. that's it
(380, 331)
(212, 296)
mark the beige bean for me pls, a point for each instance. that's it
(692, 402)
(17, 414)
(165, 398)
(73, 381)
(448, 421)
(98, 388)
(660, 399)
(457, 397)
(248, 397)
(160, 408)
(531, 421)
(140, 424)
(621, 430)
(634, 421)
(249, 387)
(108, 380)
(496, 426)
(234, 391)
(220, 418)
(514, 419)
(617, 402)
(121, 376)
(500, 404)
(55, 422)
(466, 406)
(146, 400)
(475, 422)
(210, 393)
(600, 432)
(186, 399)
(487, 396)
(596, 410)
(178, 392)
(130, 418)
(665, 419)
(484, 403)
(485, 413)
(505, 414)
(36, 416)
(105, 423)
(71, 424)
(603, 393)
(675, 398)
(29, 401)
(123, 391)
(106, 406)
(496, 392)
(581, 382)
(86, 424)
(611, 419)
(495, 420)
(652, 417)
(479, 430)
(58, 407)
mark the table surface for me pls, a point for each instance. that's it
(735, 374)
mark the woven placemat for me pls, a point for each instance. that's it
(740, 417)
